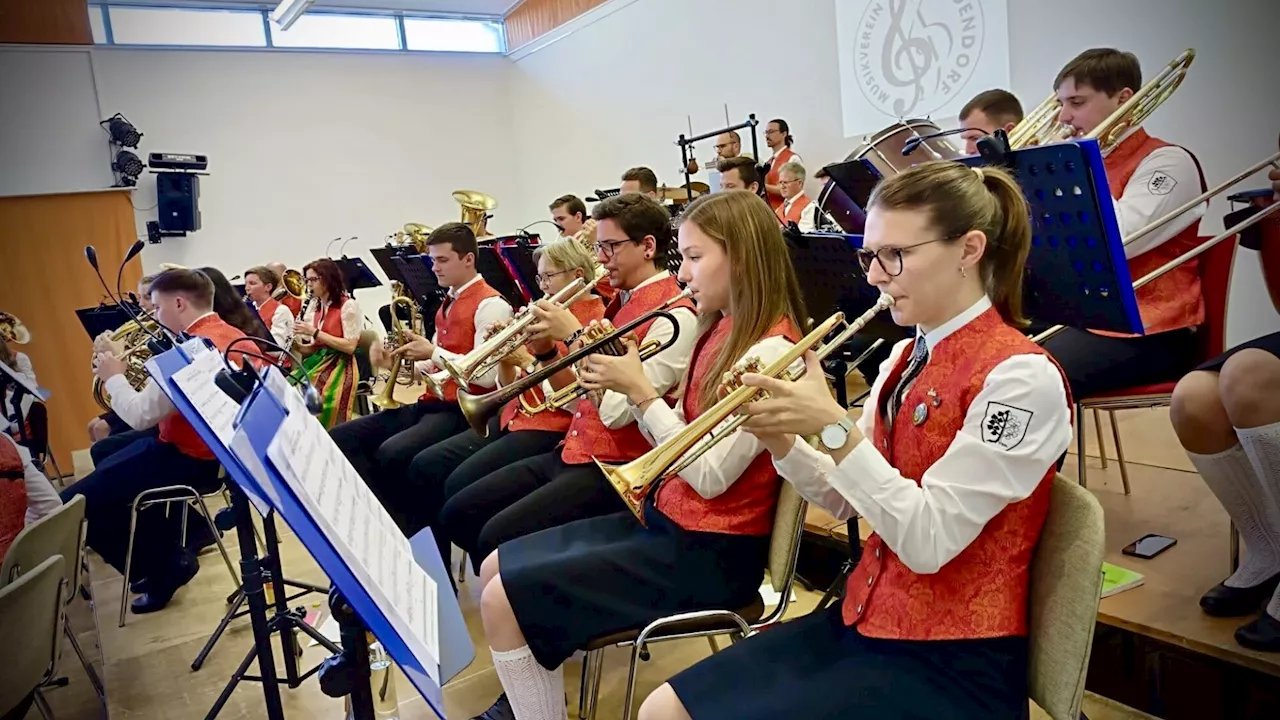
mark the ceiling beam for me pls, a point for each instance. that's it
(529, 20)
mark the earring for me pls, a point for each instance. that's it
(963, 273)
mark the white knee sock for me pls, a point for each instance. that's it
(535, 692)
(1231, 477)
(1262, 445)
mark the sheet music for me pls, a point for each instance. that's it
(361, 531)
(196, 382)
(242, 448)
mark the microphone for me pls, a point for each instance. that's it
(523, 232)
(158, 343)
(238, 384)
(343, 247)
(915, 142)
(328, 248)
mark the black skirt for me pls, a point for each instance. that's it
(817, 667)
(571, 584)
(1269, 343)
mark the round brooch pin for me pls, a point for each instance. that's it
(921, 412)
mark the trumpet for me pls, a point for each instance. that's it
(634, 480)
(396, 338)
(515, 335)
(478, 409)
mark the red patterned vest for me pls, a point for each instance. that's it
(747, 507)
(783, 157)
(293, 303)
(1173, 300)
(328, 320)
(515, 419)
(793, 215)
(982, 592)
(13, 495)
(456, 329)
(267, 311)
(588, 437)
(173, 427)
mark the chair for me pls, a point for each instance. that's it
(31, 606)
(365, 372)
(189, 497)
(1066, 585)
(784, 547)
(61, 532)
(1215, 285)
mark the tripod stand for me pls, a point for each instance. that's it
(835, 590)
(284, 622)
(347, 673)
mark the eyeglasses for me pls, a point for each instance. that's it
(608, 248)
(890, 258)
(543, 279)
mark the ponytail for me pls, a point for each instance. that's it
(1008, 244)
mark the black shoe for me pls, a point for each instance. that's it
(1223, 601)
(500, 710)
(1261, 634)
(139, 587)
(159, 593)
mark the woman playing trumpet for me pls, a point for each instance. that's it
(951, 463)
(449, 466)
(706, 534)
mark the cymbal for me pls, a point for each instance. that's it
(680, 194)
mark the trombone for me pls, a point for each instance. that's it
(478, 409)
(515, 335)
(634, 480)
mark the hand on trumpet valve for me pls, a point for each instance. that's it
(381, 355)
(106, 365)
(494, 328)
(519, 359)
(619, 373)
(732, 379)
(415, 348)
(800, 407)
(553, 323)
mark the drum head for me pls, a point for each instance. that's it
(884, 149)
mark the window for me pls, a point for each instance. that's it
(452, 35)
(171, 26)
(354, 32)
(98, 25)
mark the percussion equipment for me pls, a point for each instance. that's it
(479, 409)
(12, 329)
(634, 480)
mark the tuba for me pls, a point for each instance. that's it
(291, 283)
(634, 480)
(475, 210)
(12, 330)
(133, 337)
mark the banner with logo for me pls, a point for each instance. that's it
(902, 59)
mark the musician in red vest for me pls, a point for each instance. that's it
(446, 467)
(777, 135)
(633, 235)
(382, 445)
(260, 285)
(739, 173)
(951, 463)
(183, 303)
(796, 206)
(1149, 178)
(569, 214)
(705, 540)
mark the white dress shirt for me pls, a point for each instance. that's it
(663, 370)
(490, 310)
(718, 468)
(929, 524)
(22, 367)
(1164, 181)
(281, 324)
(806, 218)
(42, 499)
(143, 409)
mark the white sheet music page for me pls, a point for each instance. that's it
(361, 531)
(196, 382)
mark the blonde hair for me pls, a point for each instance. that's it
(960, 199)
(568, 254)
(764, 289)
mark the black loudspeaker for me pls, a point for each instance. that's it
(178, 201)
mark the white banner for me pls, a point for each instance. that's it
(902, 59)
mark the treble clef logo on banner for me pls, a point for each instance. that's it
(913, 56)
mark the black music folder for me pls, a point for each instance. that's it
(102, 318)
(357, 275)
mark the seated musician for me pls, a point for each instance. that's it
(569, 213)
(633, 236)
(382, 445)
(987, 112)
(1149, 178)
(739, 173)
(16, 403)
(951, 464)
(777, 135)
(184, 303)
(794, 202)
(108, 423)
(26, 495)
(326, 336)
(446, 467)
(707, 530)
(260, 284)
(1227, 416)
(640, 180)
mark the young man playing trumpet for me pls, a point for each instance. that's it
(381, 446)
(706, 531)
(633, 235)
(1149, 178)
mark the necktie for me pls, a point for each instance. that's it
(918, 360)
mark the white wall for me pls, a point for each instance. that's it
(306, 147)
(617, 92)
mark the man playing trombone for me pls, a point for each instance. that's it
(381, 446)
(1149, 178)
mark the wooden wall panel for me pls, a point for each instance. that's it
(45, 278)
(532, 19)
(45, 22)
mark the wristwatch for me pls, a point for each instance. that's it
(835, 435)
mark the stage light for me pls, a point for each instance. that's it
(122, 132)
(127, 167)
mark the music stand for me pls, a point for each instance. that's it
(385, 257)
(102, 318)
(422, 285)
(493, 267)
(518, 251)
(356, 274)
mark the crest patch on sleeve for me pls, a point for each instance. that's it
(1161, 184)
(1004, 425)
